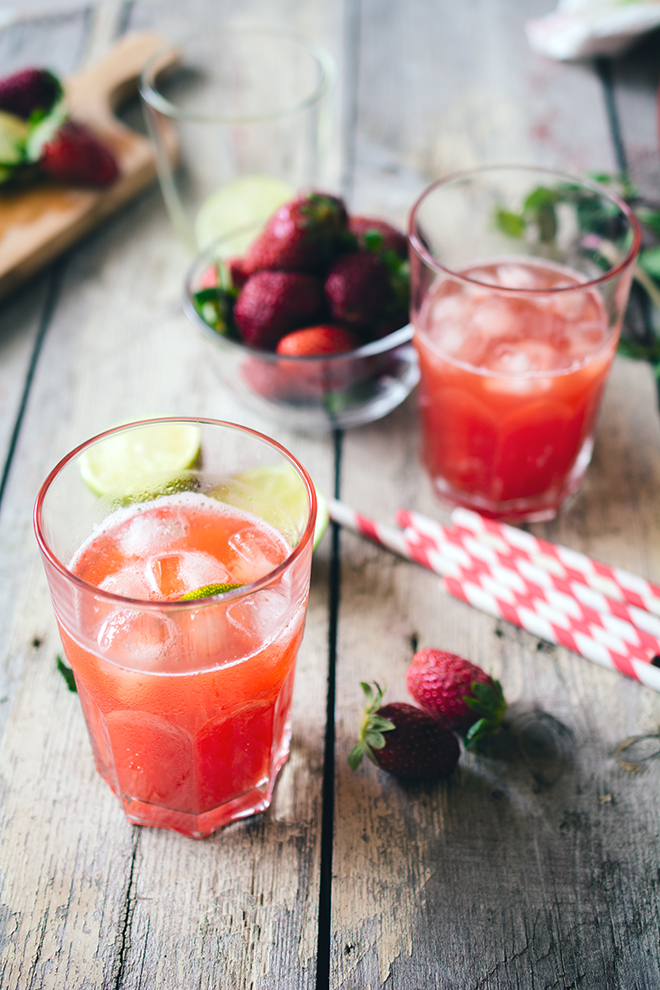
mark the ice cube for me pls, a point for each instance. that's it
(494, 317)
(261, 615)
(172, 575)
(255, 554)
(149, 532)
(569, 305)
(453, 309)
(512, 276)
(585, 339)
(482, 275)
(522, 358)
(128, 583)
(135, 638)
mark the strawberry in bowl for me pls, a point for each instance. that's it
(311, 321)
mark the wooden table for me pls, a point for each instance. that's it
(536, 865)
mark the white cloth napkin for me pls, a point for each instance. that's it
(585, 28)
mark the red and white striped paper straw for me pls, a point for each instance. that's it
(562, 562)
(525, 582)
(494, 551)
(472, 584)
(389, 537)
(619, 646)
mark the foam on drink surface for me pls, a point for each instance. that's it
(515, 334)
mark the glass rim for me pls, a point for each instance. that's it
(159, 606)
(155, 99)
(395, 339)
(424, 254)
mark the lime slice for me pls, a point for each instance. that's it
(244, 203)
(141, 459)
(207, 591)
(276, 493)
(13, 135)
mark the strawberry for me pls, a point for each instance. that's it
(322, 339)
(271, 304)
(76, 155)
(379, 236)
(302, 235)
(31, 89)
(357, 288)
(210, 277)
(403, 739)
(459, 692)
(237, 272)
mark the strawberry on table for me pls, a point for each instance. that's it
(446, 685)
(76, 155)
(28, 91)
(403, 740)
(322, 339)
(271, 304)
(302, 235)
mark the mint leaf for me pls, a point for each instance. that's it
(511, 224)
(67, 674)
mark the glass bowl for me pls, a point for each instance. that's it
(310, 394)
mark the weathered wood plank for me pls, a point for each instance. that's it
(106, 358)
(58, 42)
(103, 903)
(537, 863)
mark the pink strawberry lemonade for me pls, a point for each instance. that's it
(511, 383)
(188, 705)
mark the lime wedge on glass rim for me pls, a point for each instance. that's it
(128, 462)
(280, 485)
(243, 205)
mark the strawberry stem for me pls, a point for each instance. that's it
(372, 727)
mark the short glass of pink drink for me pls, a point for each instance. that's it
(520, 278)
(187, 700)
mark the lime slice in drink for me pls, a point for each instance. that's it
(277, 494)
(140, 460)
(242, 205)
(207, 591)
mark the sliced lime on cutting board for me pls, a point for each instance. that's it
(136, 460)
(242, 205)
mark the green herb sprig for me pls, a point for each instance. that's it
(640, 338)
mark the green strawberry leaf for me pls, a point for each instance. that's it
(373, 240)
(355, 756)
(488, 701)
(372, 727)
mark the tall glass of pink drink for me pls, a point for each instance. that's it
(187, 702)
(520, 278)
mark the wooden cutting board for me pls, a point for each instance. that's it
(38, 223)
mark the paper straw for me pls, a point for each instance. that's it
(564, 613)
(532, 585)
(472, 586)
(539, 570)
(564, 563)
(388, 537)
